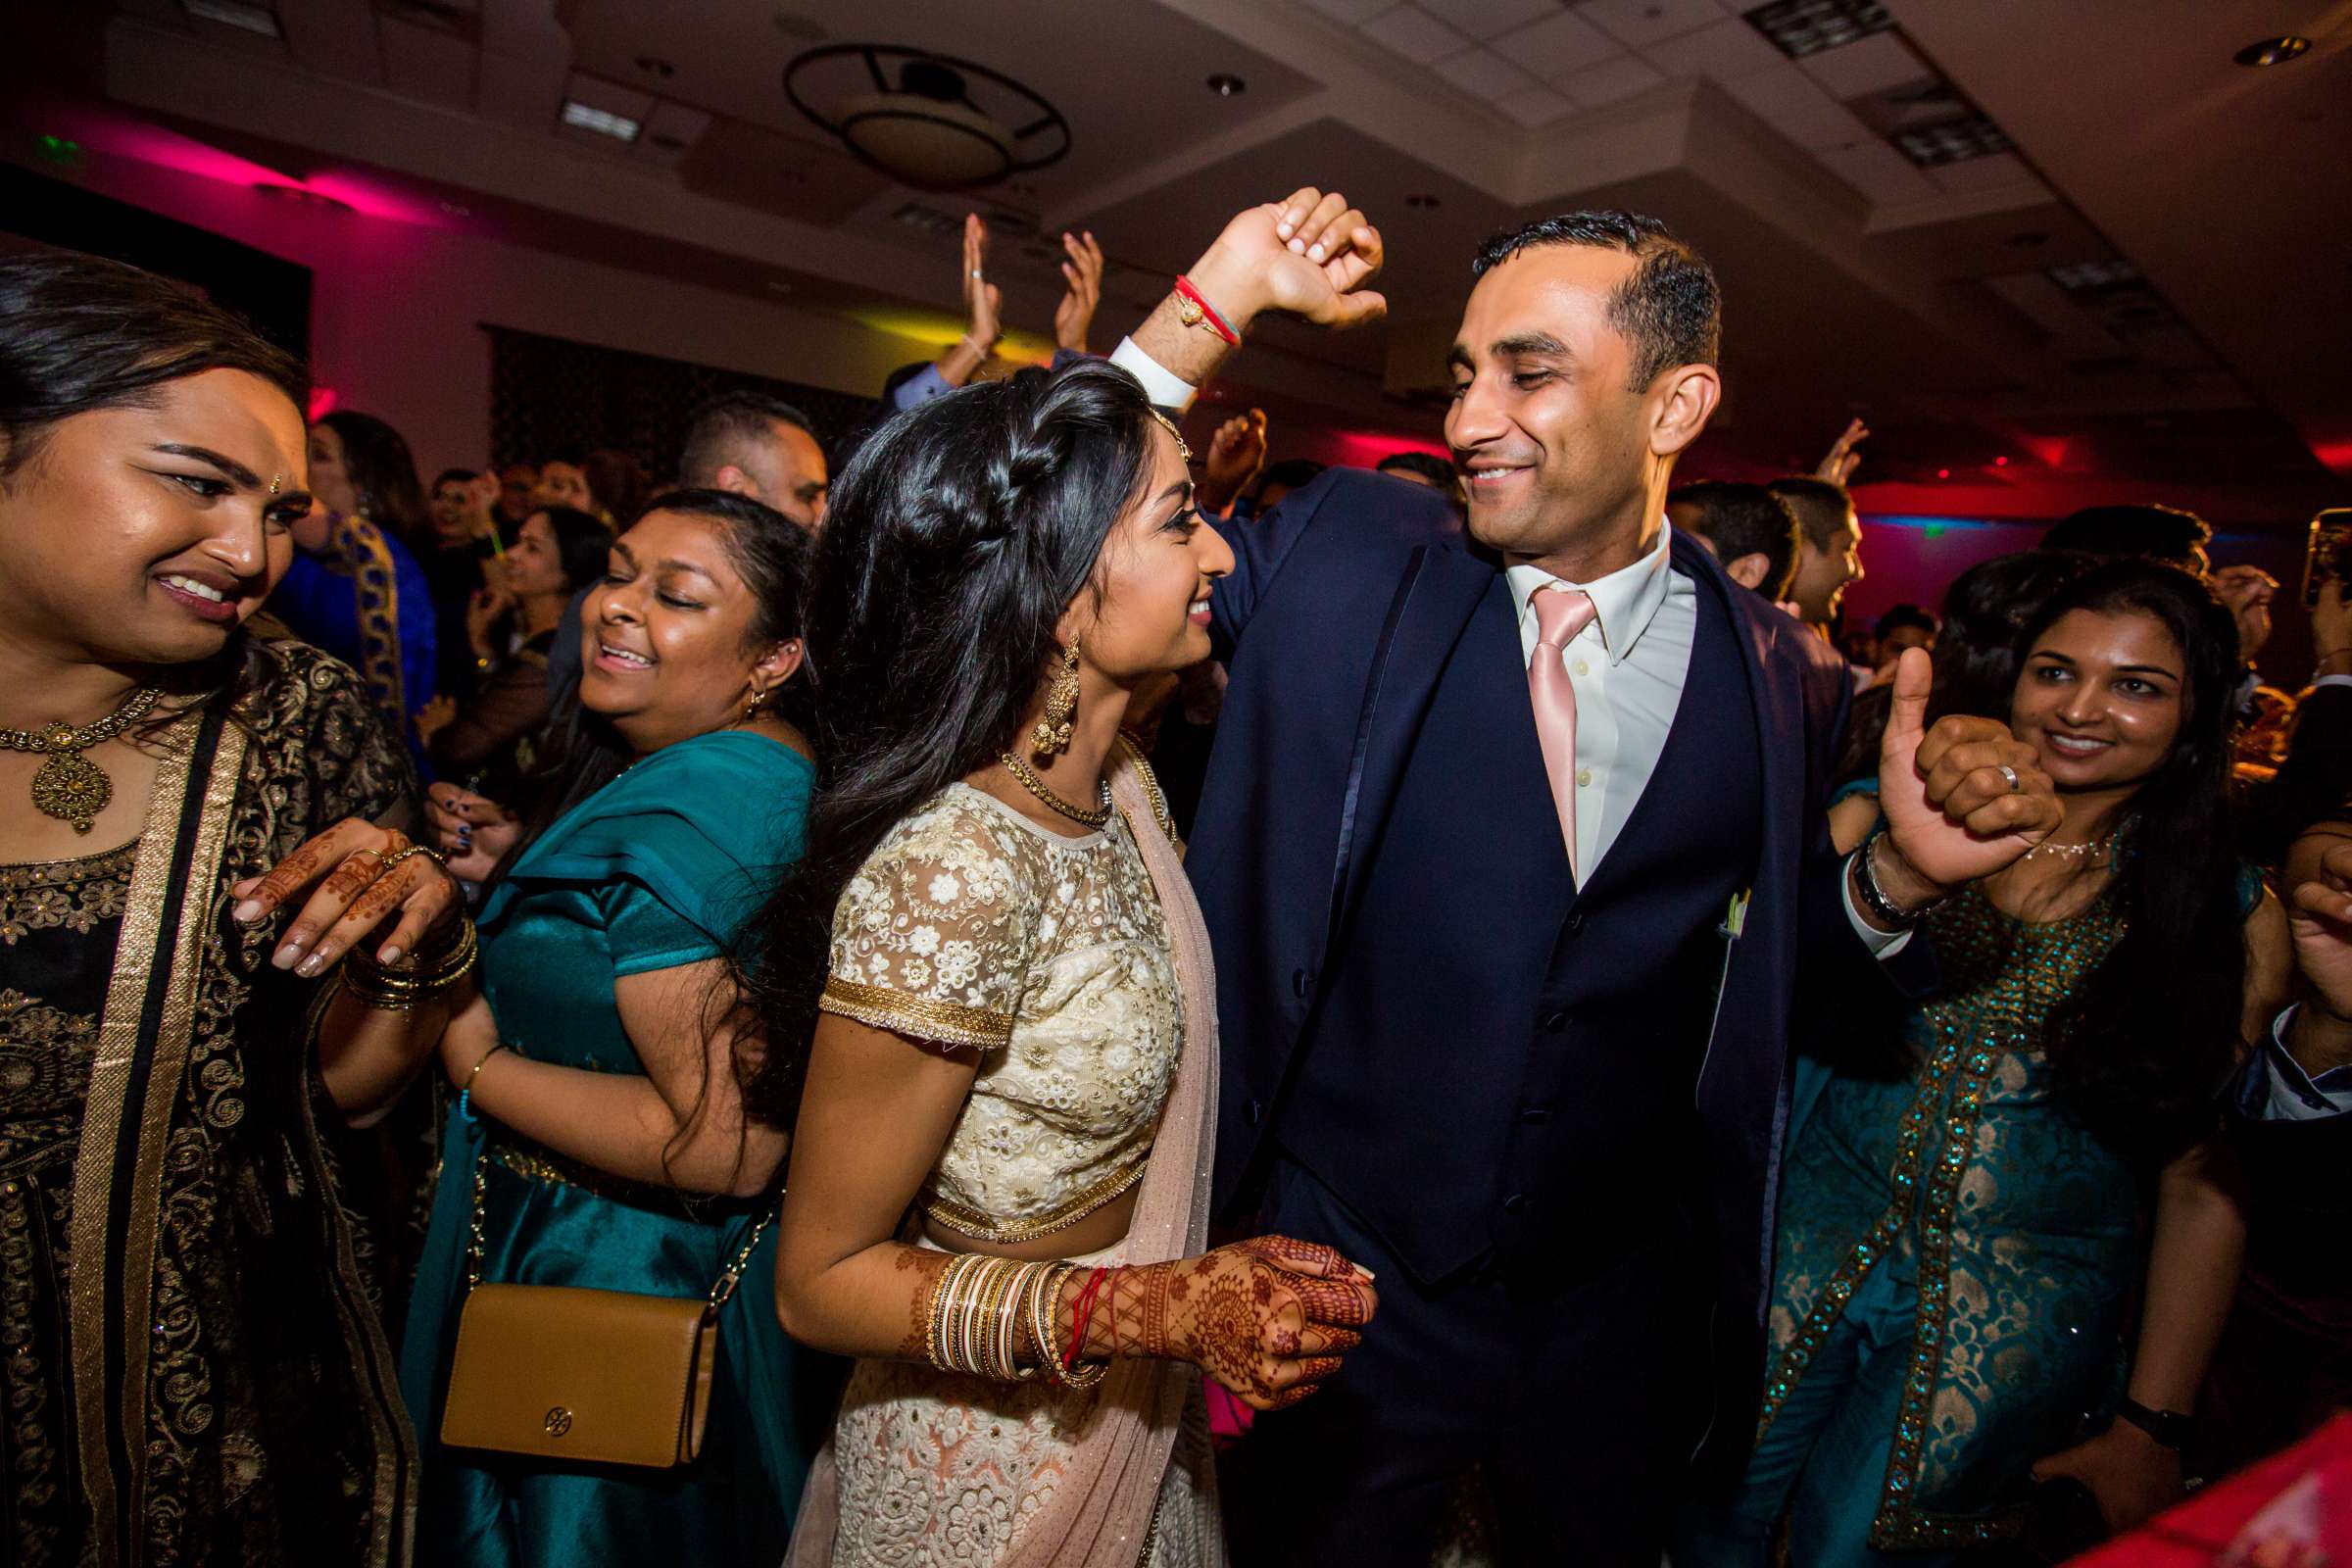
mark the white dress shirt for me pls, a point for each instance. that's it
(1628, 667)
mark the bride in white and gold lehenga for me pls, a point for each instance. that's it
(998, 1190)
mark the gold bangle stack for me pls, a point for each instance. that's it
(987, 1312)
(425, 976)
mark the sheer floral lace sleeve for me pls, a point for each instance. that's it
(931, 938)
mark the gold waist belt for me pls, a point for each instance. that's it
(967, 1221)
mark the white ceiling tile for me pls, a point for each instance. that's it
(1724, 50)
(1483, 18)
(1557, 45)
(1796, 106)
(1878, 171)
(1415, 34)
(1644, 21)
(1538, 106)
(428, 62)
(1351, 12)
(1485, 75)
(1998, 171)
(1879, 63)
(1611, 81)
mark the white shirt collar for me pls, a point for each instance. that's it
(1624, 602)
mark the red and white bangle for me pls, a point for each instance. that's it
(1193, 309)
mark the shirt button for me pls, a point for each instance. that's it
(1579, 668)
(1514, 1203)
(1584, 778)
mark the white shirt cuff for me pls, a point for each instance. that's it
(2324, 680)
(1883, 945)
(2294, 1096)
(1161, 385)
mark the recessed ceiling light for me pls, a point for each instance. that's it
(1226, 85)
(1954, 141)
(604, 122)
(1801, 28)
(237, 14)
(2080, 277)
(1421, 201)
(654, 66)
(2274, 51)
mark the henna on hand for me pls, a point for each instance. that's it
(1268, 1318)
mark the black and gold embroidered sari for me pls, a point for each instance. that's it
(191, 1372)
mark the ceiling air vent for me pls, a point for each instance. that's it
(1801, 28)
(1952, 141)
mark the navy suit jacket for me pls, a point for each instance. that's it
(1343, 606)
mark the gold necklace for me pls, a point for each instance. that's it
(70, 786)
(2072, 851)
(1037, 787)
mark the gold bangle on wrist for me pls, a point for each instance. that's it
(421, 978)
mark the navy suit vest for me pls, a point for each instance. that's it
(1523, 1080)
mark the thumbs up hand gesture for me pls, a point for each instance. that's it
(1962, 801)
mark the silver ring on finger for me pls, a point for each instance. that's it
(2016, 785)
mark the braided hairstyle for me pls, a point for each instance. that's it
(955, 540)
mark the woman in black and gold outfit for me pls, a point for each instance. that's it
(189, 1370)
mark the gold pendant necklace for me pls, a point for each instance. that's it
(70, 786)
(1037, 787)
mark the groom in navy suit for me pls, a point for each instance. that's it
(1514, 857)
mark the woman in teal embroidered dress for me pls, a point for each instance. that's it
(602, 1108)
(1967, 1220)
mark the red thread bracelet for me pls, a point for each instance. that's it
(1208, 313)
(1081, 1316)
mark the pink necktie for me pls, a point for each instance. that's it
(1560, 614)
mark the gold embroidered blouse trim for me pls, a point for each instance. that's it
(69, 786)
(964, 1220)
(945, 1023)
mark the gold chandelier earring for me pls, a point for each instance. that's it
(751, 708)
(1051, 735)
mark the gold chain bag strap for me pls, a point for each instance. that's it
(589, 1377)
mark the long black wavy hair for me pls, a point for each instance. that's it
(2144, 1041)
(954, 541)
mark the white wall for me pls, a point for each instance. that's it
(396, 307)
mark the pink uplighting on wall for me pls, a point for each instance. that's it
(324, 401)
(101, 132)
(1357, 449)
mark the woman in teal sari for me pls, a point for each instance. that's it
(600, 1140)
(1981, 1196)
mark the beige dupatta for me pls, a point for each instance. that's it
(1103, 1503)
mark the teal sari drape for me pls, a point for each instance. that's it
(659, 868)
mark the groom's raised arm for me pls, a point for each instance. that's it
(1310, 255)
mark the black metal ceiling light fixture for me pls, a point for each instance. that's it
(928, 120)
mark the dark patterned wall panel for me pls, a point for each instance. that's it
(549, 397)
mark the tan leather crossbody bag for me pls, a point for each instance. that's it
(593, 1377)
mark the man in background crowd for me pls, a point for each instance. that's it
(1750, 529)
(753, 445)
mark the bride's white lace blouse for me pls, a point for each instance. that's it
(971, 927)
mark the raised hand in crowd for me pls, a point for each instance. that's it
(1235, 455)
(1963, 799)
(1082, 275)
(485, 611)
(2246, 593)
(472, 831)
(1839, 466)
